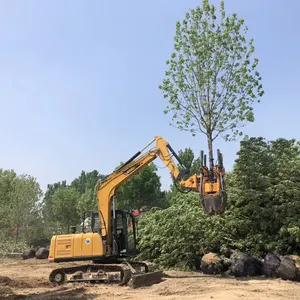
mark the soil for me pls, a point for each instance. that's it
(28, 279)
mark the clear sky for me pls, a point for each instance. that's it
(79, 81)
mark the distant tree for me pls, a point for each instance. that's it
(65, 202)
(264, 193)
(87, 202)
(84, 185)
(191, 163)
(19, 198)
(188, 159)
(143, 189)
(47, 201)
(212, 78)
(86, 181)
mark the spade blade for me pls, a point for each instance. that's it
(214, 204)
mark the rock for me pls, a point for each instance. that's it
(296, 260)
(287, 269)
(270, 265)
(42, 253)
(211, 263)
(28, 253)
(243, 265)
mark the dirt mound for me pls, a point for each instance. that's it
(5, 291)
(21, 283)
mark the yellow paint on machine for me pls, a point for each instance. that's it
(76, 245)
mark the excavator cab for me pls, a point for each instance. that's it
(123, 232)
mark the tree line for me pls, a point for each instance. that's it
(262, 216)
(30, 216)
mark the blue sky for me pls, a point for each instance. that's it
(79, 81)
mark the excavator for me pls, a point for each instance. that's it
(110, 244)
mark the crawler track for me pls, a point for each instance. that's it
(134, 274)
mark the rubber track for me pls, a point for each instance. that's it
(125, 271)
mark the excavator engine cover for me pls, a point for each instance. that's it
(214, 204)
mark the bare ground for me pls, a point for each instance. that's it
(29, 280)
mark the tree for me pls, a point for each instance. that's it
(87, 202)
(187, 158)
(142, 189)
(85, 184)
(47, 201)
(81, 188)
(65, 207)
(19, 203)
(86, 181)
(264, 194)
(212, 78)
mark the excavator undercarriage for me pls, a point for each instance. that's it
(134, 274)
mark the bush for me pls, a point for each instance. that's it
(176, 237)
(9, 246)
(262, 217)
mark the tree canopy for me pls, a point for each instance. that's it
(212, 78)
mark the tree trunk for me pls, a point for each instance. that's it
(210, 154)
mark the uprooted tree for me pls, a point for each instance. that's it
(212, 79)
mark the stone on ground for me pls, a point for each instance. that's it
(243, 265)
(270, 265)
(29, 253)
(42, 253)
(287, 269)
(296, 260)
(212, 263)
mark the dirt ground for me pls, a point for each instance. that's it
(29, 280)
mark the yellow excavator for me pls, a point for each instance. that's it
(109, 243)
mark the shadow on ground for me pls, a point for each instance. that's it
(61, 294)
(217, 276)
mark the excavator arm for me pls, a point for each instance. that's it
(106, 188)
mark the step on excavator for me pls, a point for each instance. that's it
(109, 242)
